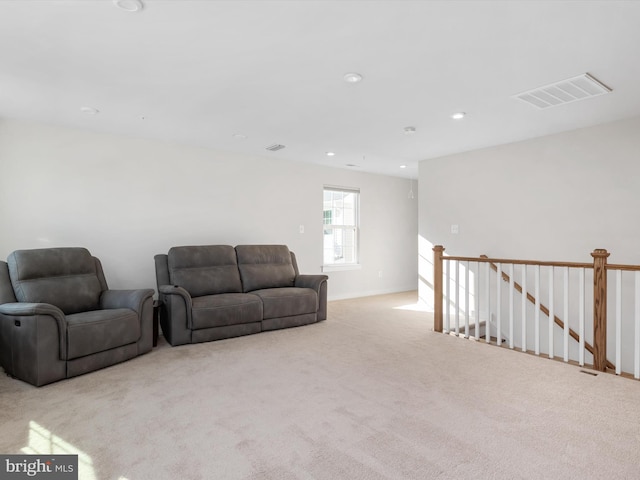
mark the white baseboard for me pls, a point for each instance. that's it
(371, 293)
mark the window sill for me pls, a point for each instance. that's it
(341, 268)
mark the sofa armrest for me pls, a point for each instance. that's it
(175, 290)
(27, 312)
(310, 281)
(319, 284)
(175, 314)
(131, 299)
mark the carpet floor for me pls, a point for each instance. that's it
(370, 393)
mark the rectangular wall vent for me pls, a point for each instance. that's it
(566, 91)
(275, 147)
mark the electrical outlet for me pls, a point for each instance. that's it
(455, 229)
(301, 228)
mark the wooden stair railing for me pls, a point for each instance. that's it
(599, 266)
(572, 333)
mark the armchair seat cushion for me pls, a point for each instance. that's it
(100, 330)
(225, 309)
(287, 301)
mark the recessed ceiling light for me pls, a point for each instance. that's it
(351, 165)
(331, 154)
(403, 166)
(239, 136)
(458, 115)
(89, 110)
(352, 77)
(129, 5)
(409, 130)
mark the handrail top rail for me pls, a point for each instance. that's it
(521, 262)
(631, 268)
(608, 266)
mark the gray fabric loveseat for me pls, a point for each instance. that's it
(213, 292)
(58, 319)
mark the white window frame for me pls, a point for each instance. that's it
(340, 266)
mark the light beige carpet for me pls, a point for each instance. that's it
(371, 393)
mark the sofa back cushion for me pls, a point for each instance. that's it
(204, 270)
(265, 266)
(65, 277)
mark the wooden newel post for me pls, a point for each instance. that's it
(438, 250)
(600, 309)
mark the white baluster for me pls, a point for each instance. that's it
(551, 311)
(466, 301)
(447, 274)
(499, 304)
(618, 322)
(487, 278)
(476, 284)
(457, 296)
(523, 320)
(566, 314)
(636, 351)
(537, 307)
(511, 290)
(581, 318)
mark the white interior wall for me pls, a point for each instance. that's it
(552, 198)
(126, 199)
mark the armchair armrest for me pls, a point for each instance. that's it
(141, 302)
(29, 311)
(132, 299)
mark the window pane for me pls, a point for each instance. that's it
(340, 245)
(328, 247)
(349, 209)
(340, 232)
(349, 245)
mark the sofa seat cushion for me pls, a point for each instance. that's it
(287, 301)
(100, 330)
(225, 309)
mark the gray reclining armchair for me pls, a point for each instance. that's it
(58, 319)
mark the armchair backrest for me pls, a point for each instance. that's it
(6, 289)
(204, 270)
(69, 278)
(265, 266)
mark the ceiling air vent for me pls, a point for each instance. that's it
(275, 147)
(565, 91)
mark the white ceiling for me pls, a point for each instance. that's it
(198, 72)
